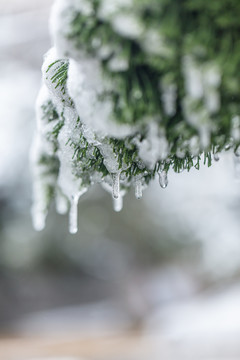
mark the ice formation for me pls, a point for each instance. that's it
(119, 104)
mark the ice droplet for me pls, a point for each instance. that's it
(116, 185)
(163, 179)
(216, 157)
(138, 189)
(118, 204)
(73, 215)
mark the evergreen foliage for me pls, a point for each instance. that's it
(139, 87)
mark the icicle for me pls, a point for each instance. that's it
(39, 219)
(216, 157)
(61, 204)
(163, 180)
(237, 151)
(73, 215)
(138, 189)
(115, 185)
(118, 203)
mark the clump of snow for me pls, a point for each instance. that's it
(154, 147)
(85, 86)
(127, 25)
(202, 96)
(169, 97)
(154, 43)
(108, 8)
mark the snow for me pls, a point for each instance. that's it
(153, 43)
(118, 64)
(85, 84)
(193, 78)
(169, 97)
(127, 25)
(109, 7)
(58, 95)
(201, 84)
(154, 147)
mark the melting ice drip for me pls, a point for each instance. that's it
(216, 157)
(163, 179)
(138, 189)
(39, 214)
(73, 215)
(116, 185)
(61, 204)
(39, 219)
(117, 194)
(118, 203)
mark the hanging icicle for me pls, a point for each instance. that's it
(116, 185)
(163, 179)
(138, 189)
(73, 215)
(118, 203)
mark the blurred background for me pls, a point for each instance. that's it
(159, 279)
